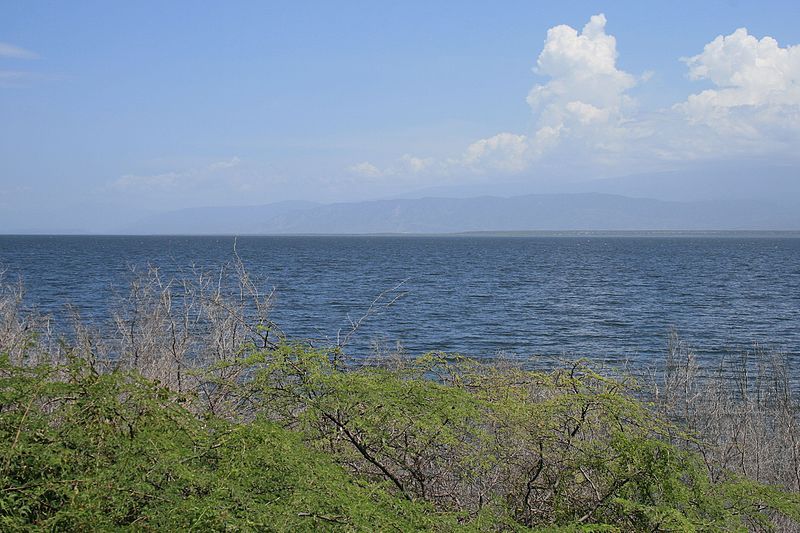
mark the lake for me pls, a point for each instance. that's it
(608, 298)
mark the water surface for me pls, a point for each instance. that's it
(609, 298)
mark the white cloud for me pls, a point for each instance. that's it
(583, 73)
(504, 151)
(585, 93)
(748, 71)
(585, 115)
(414, 165)
(756, 94)
(753, 107)
(582, 104)
(365, 169)
(585, 102)
(15, 52)
(215, 172)
(407, 167)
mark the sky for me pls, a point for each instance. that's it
(111, 110)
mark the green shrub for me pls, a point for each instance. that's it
(438, 443)
(83, 451)
(536, 449)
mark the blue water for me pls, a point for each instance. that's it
(607, 298)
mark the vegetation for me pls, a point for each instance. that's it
(202, 415)
(84, 451)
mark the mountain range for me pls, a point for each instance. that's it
(746, 195)
(740, 196)
(544, 212)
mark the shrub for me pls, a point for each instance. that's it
(543, 449)
(83, 451)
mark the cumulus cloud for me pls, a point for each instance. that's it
(756, 94)
(584, 112)
(748, 71)
(585, 82)
(583, 103)
(585, 91)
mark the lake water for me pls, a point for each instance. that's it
(607, 298)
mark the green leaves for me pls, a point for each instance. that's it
(437, 443)
(116, 451)
(569, 447)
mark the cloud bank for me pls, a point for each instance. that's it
(584, 111)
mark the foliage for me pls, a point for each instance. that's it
(529, 448)
(85, 451)
(436, 443)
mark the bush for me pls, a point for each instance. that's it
(529, 448)
(84, 451)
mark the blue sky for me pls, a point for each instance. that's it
(112, 109)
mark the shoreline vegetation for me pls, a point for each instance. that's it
(199, 413)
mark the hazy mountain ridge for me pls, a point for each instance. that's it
(741, 195)
(550, 212)
(735, 180)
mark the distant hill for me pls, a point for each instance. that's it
(779, 185)
(737, 180)
(547, 212)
